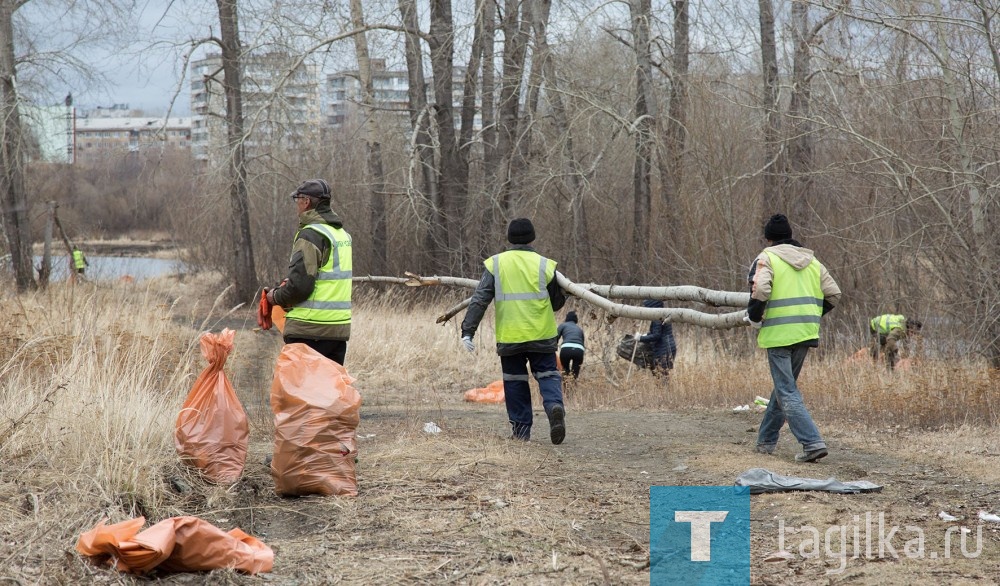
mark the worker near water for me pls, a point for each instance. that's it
(523, 286)
(317, 290)
(572, 349)
(887, 331)
(789, 291)
(80, 262)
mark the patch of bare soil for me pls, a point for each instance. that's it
(466, 506)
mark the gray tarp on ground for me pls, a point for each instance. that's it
(760, 481)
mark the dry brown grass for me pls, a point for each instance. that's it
(93, 377)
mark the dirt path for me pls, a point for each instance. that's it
(467, 506)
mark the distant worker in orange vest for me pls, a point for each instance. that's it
(887, 332)
(80, 263)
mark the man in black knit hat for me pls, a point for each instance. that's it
(522, 284)
(789, 291)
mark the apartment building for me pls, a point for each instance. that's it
(101, 139)
(281, 104)
(391, 96)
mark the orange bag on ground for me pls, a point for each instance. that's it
(211, 431)
(316, 414)
(177, 544)
(493, 393)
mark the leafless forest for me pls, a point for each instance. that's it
(646, 139)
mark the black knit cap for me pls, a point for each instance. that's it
(520, 231)
(571, 316)
(777, 228)
(314, 188)
(652, 303)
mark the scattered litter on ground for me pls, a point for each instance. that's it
(431, 427)
(740, 408)
(946, 517)
(989, 517)
(760, 481)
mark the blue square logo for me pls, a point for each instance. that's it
(699, 535)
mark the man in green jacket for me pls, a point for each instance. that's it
(789, 291)
(523, 287)
(887, 331)
(317, 291)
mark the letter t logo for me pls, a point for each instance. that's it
(701, 531)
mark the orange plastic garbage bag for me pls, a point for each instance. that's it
(212, 431)
(316, 414)
(492, 393)
(177, 544)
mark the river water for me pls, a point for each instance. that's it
(113, 268)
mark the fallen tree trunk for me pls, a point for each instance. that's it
(587, 292)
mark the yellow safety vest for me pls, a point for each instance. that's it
(78, 261)
(330, 301)
(883, 324)
(523, 309)
(796, 304)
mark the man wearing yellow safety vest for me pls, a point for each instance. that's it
(789, 291)
(522, 285)
(887, 331)
(317, 291)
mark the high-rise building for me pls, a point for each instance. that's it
(391, 96)
(281, 104)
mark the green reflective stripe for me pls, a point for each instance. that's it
(793, 312)
(330, 300)
(516, 377)
(546, 374)
(795, 301)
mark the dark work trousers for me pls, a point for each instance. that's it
(517, 393)
(572, 359)
(335, 350)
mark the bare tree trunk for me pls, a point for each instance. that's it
(441, 44)
(435, 237)
(772, 198)
(642, 132)
(16, 220)
(468, 117)
(440, 41)
(244, 274)
(46, 269)
(515, 31)
(574, 173)
(373, 149)
(800, 142)
(676, 123)
(489, 221)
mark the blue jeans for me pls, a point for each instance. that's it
(517, 393)
(786, 401)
